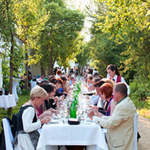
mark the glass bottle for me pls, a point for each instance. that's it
(73, 110)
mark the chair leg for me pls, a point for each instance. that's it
(59, 147)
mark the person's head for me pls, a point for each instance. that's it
(119, 91)
(44, 81)
(49, 88)
(89, 78)
(59, 72)
(106, 80)
(59, 83)
(95, 74)
(52, 79)
(90, 71)
(38, 94)
(97, 82)
(112, 70)
(105, 91)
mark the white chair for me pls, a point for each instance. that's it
(136, 117)
(8, 134)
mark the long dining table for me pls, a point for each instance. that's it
(57, 134)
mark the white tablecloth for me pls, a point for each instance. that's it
(90, 135)
(7, 101)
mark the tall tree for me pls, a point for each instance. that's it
(60, 31)
(103, 48)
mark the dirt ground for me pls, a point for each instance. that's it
(144, 130)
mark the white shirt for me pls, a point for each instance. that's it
(57, 76)
(100, 103)
(94, 99)
(27, 118)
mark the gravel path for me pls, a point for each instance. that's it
(144, 130)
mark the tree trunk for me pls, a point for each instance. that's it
(50, 68)
(42, 69)
(27, 67)
(11, 64)
(52, 62)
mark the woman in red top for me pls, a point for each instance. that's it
(114, 74)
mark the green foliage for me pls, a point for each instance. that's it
(128, 21)
(139, 90)
(57, 39)
(18, 57)
(25, 91)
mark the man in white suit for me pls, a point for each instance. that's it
(120, 125)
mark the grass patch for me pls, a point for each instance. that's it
(144, 112)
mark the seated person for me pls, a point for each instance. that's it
(28, 122)
(89, 80)
(90, 85)
(113, 103)
(120, 126)
(50, 101)
(59, 89)
(66, 84)
(72, 80)
(40, 79)
(96, 84)
(44, 81)
(59, 85)
(52, 79)
(58, 73)
(105, 93)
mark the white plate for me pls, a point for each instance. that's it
(54, 121)
(89, 120)
(56, 118)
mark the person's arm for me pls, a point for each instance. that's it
(27, 120)
(44, 114)
(110, 122)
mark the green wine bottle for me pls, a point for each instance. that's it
(73, 110)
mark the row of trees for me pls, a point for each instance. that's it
(49, 32)
(120, 35)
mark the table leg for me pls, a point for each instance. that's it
(9, 111)
(59, 147)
